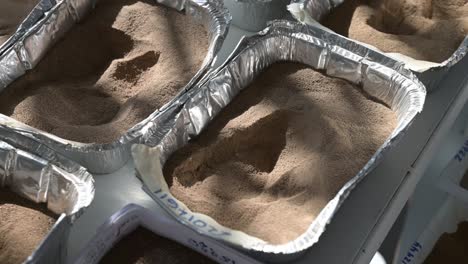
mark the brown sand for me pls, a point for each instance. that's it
(127, 59)
(423, 29)
(144, 247)
(271, 161)
(451, 248)
(12, 13)
(23, 225)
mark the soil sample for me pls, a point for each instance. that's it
(144, 247)
(451, 248)
(127, 59)
(12, 13)
(270, 162)
(23, 226)
(422, 29)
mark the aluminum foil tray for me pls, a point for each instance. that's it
(84, 233)
(43, 176)
(380, 76)
(35, 14)
(313, 11)
(47, 23)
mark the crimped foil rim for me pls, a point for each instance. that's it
(184, 126)
(35, 15)
(212, 10)
(67, 188)
(306, 10)
(48, 160)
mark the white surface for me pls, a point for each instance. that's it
(360, 226)
(439, 203)
(378, 259)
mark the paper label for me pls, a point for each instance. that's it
(413, 252)
(147, 162)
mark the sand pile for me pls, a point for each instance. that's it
(12, 13)
(144, 247)
(451, 248)
(23, 225)
(274, 157)
(423, 29)
(127, 59)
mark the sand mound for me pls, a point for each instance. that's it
(274, 157)
(23, 225)
(12, 13)
(144, 247)
(423, 29)
(127, 59)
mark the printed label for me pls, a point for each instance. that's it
(462, 152)
(414, 250)
(186, 215)
(211, 251)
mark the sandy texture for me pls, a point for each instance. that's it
(274, 157)
(423, 29)
(451, 248)
(127, 59)
(144, 247)
(23, 225)
(12, 13)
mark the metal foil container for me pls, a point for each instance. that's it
(35, 14)
(312, 9)
(43, 176)
(48, 22)
(311, 12)
(380, 76)
(131, 216)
